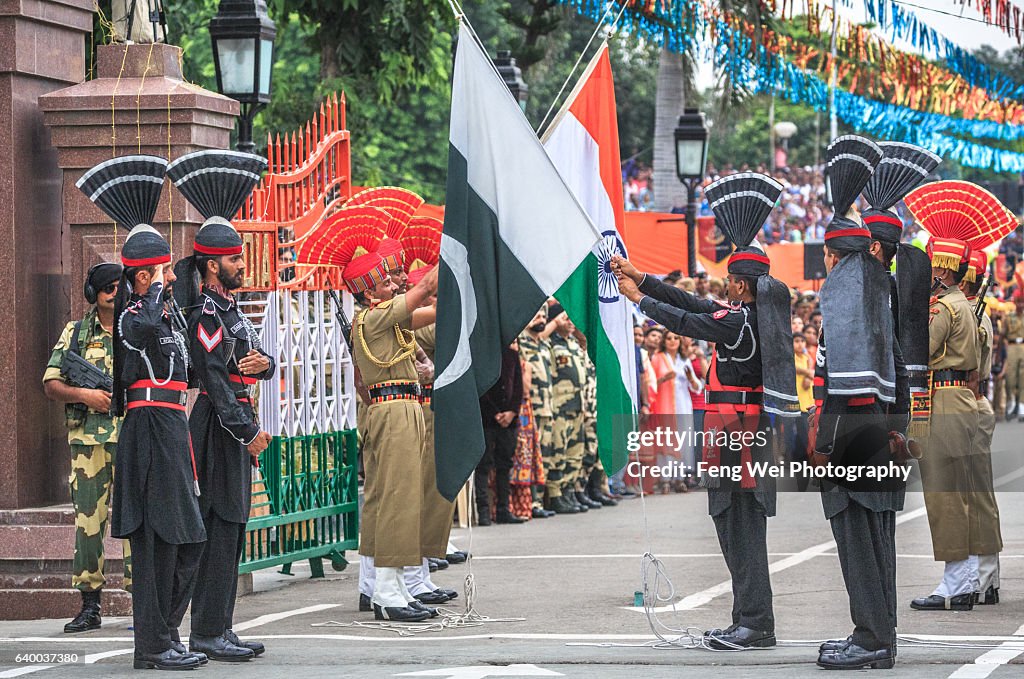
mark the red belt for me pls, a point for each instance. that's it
(426, 393)
(860, 401)
(154, 395)
(242, 379)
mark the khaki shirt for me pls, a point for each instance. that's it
(426, 338)
(1014, 325)
(568, 375)
(985, 335)
(384, 344)
(537, 353)
(96, 346)
(952, 333)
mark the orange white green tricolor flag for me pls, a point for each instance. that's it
(583, 143)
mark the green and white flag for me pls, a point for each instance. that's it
(513, 236)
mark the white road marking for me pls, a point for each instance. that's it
(274, 617)
(480, 671)
(986, 663)
(19, 671)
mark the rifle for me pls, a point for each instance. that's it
(178, 322)
(80, 373)
(979, 310)
(339, 313)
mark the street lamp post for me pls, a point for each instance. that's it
(691, 136)
(242, 35)
(513, 77)
(784, 130)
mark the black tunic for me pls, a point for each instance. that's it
(223, 420)
(153, 478)
(737, 363)
(858, 436)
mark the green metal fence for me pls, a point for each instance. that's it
(310, 501)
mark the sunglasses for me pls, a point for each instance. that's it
(109, 289)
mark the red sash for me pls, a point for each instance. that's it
(734, 419)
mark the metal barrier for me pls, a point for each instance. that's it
(311, 495)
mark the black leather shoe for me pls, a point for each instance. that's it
(440, 563)
(483, 518)
(255, 646)
(571, 497)
(450, 593)
(431, 566)
(456, 557)
(584, 499)
(835, 644)
(219, 649)
(853, 657)
(740, 637)
(561, 505)
(168, 660)
(508, 517)
(364, 604)
(180, 648)
(991, 597)
(399, 614)
(431, 598)
(417, 606)
(960, 602)
(89, 617)
(539, 513)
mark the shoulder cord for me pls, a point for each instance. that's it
(145, 358)
(743, 331)
(406, 341)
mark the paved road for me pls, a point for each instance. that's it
(564, 588)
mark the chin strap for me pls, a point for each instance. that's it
(937, 283)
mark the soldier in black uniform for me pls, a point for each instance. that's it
(226, 354)
(863, 408)
(751, 331)
(155, 490)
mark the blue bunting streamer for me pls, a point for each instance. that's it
(771, 74)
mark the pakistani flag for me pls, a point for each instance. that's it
(513, 236)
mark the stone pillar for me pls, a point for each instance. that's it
(44, 45)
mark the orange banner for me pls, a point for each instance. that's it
(656, 242)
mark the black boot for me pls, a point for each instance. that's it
(561, 505)
(582, 498)
(505, 516)
(89, 617)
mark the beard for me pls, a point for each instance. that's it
(538, 327)
(229, 282)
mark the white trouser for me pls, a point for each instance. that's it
(366, 575)
(988, 572)
(959, 577)
(388, 588)
(417, 579)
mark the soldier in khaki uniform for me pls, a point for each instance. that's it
(984, 521)
(568, 377)
(945, 467)
(92, 435)
(383, 350)
(591, 478)
(535, 349)
(1014, 325)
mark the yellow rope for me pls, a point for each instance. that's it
(406, 341)
(138, 97)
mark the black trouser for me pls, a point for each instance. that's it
(743, 535)
(866, 542)
(164, 576)
(796, 445)
(499, 451)
(213, 605)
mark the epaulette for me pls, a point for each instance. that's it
(208, 306)
(385, 304)
(732, 306)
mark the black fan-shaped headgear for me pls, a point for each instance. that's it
(741, 203)
(849, 163)
(217, 182)
(904, 167)
(127, 189)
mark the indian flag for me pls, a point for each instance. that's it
(583, 142)
(514, 235)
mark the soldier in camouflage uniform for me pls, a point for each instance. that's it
(535, 349)
(92, 435)
(591, 478)
(568, 377)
